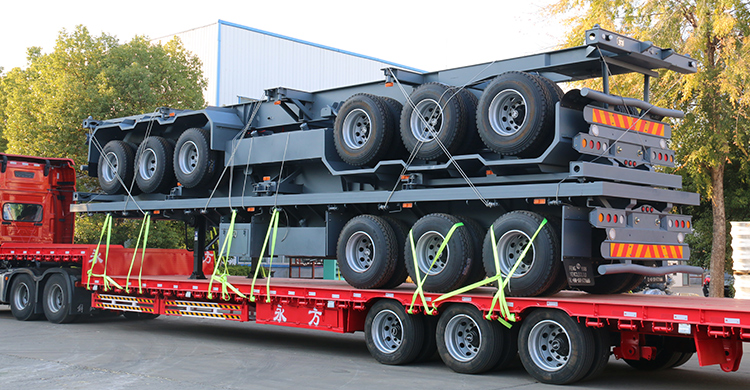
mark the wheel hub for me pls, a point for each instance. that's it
(109, 170)
(188, 157)
(549, 345)
(360, 251)
(462, 338)
(426, 120)
(427, 247)
(387, 331)
(147, 164)
(356, 129)
(507, 112)
(510, 247)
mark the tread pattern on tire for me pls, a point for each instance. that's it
(163, 178)
(381, 130)
(125, 153)
(384, 261)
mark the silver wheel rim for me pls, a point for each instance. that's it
(147, 164)
(356, 129)
(509, 249)
(549, 345)
(508, 112)
(188, 157)
(463, 338)
(109, 170)
(360, 252)
(426, 112)
(426, 248)
(55, 298)
(387, 331)
(22, 297)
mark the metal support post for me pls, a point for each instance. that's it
(199, 249)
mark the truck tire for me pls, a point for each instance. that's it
(453, 267)
(467, 342)
(686, 356)
(429, 350)
(362, 131)
(513, 115)
(391, 335)
(397, 151)
(554, 348)
(56, 300)
(602, 351)
(115, 169)
(154, 171)
(613, 284)
(664, 359)
(472, 143)
(440, 106)
(399, 273)
(195, 164)
(366, 252)
(23, 298)
(539, 269)
(476, 232)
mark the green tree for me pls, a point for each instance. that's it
(714, 132)
(43, 105)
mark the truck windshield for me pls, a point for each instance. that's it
(23, 212)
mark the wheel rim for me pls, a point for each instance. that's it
(147, 164)
(387, 331)
(549, 345)
(426, 112)
(356, 129)
(109, 170)
(463, 338)
(509, 249)
(22, 297)
(426, 248)
(55, 298)
(507, 112)
(360, 252)
(188, 157)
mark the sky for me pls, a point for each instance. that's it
(428, 35)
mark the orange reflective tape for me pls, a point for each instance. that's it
(639, 251)
(629, 253)
(679, 252)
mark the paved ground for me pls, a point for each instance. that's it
(187, 354)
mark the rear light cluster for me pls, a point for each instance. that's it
(662, 156)
(606, 217)
(647, 209)
(593, 144)
(678, 223)
(629, 163)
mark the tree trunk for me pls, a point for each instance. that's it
(719, 244)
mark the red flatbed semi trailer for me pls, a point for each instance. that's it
(648, 331)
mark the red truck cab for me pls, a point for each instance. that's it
(35, 196)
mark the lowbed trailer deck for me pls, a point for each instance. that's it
(648, 331)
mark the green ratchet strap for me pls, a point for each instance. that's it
(221, 272)
(273, 227)
(107, 227)
(145, 225)
(420, 281)
(500, 295)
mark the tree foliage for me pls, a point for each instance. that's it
(713, 137)
(42, 106)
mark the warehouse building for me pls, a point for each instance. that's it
(240, 62)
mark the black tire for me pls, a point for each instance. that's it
(397, 149)
(391, 335)
(194, 163)
(613, 284)
(555, 92)
(541, 266)
(154, 170)
(509, 356)
(133, 315)
(472, 143)
(23, 298)
(686, 356)
(602, 351)
(56, 300)
(454, 265)
(513, 116)
(554, 348)
(400, 230)
(115, 169)
(448, 122)
(429, 350)
(476, 232)
(467, 342)
(664, 359)
(366, 252)
(362, 131)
